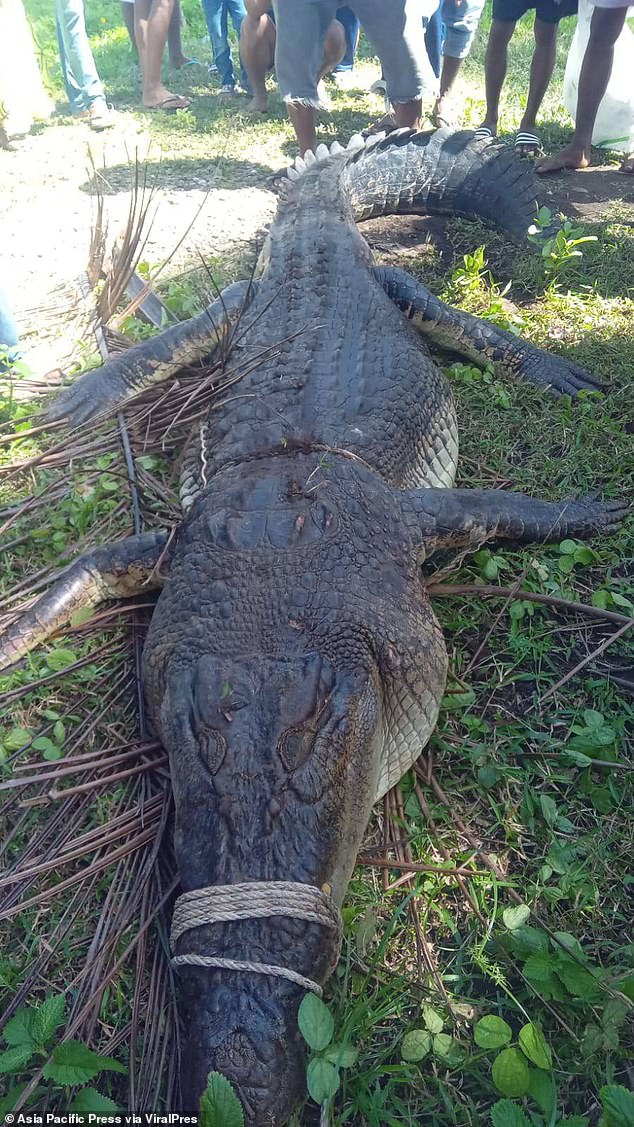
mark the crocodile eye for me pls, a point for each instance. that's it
(295, 746)
(212, 747)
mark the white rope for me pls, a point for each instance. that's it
(252, 968)
(252, 900)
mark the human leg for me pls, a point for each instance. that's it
(257, 51)
(542, 65)
(495, 70)
(152, 19)
(82, 82)
(302, 27)
(177, 56)
(397, 33)
(606, 26)
(460, 19)
(217, 28)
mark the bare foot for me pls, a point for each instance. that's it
(258, 104)
(573, 156)
(628, 165)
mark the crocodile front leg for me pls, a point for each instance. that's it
(479, 340)
(127, 567)
(465, 518)
(131, 372)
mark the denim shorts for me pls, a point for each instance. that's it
(395, 30)
(548, 11)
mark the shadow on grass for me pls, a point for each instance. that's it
(181, 174)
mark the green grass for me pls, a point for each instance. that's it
(538, 788)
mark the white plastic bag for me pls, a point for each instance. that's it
(614, 126)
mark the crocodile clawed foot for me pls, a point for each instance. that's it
(562, 376)
(606, 516)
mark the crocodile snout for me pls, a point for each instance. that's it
(240, 1029)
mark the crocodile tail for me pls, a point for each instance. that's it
(442, 172)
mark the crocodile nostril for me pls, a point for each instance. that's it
(237, 1056)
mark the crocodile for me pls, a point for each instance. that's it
(293, 667)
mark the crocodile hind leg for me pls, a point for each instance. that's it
(131, 372)
(119, 570)
(465, 518)
(479, 340)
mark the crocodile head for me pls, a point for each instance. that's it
(274, 764)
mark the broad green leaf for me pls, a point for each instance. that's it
(432, 1019)
(14, 1059)
(533, 1044)
(47, 1017)
(90, 1100)
(507, 1114)
(510, 1073)
(527, 941)
(219, 1105)
(19, 1030)
(618, 1106)
(447, 1048)
(568, 547)
(538, 967)
(577, 980)
(515, 917)
(342, 1056)
(416, 1045)
(59, 731)
(16, 738)
(74, 1063)
(316, 1023)
(574, 1121)
(592, 718)
(543, 1090)
(492, 1032)
(322, 1079)
(59, 659)
(47, 747)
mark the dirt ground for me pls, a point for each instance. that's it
(47, 207)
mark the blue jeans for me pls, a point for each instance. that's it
(81, 80)
(351, 27)
(216, 16)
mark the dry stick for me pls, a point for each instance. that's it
(586, 660)
(449, 590)
(445, 852)
(419, 867)
(71, 1029)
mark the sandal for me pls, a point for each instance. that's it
(528, 141)
(172, 104)
(484, 133)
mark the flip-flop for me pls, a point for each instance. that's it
(530, 140)
(484, 133)
(172, 104)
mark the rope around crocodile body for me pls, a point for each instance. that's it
(253, 900)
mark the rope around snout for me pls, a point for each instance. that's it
(253, 900)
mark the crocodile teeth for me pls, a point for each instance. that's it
(336, 148)
(300, 164)
(309, 158)
(322, 152)
(292, 173)
(355, 142)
